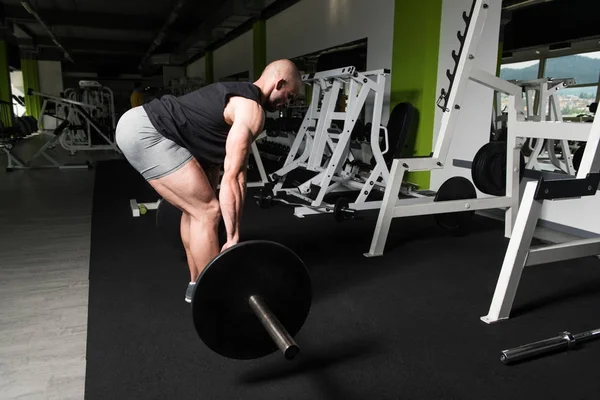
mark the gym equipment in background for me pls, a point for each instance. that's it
(321, 150)
(562, 342)
(251, 300)
(412, 203)
(83, 129)
(25, 128)
(99, 96)
(15, 162)
(542, 104)
(563, 187)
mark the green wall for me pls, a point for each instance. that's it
(259, 32)
(414, 71)
(209, 71)
(31, 80)
(6, 111)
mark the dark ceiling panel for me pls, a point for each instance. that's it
(107, 20)
(96, 46)
(553, 22)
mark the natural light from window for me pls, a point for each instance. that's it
(583, 67)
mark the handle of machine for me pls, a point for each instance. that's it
(387, 140)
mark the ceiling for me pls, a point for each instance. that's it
(113, 37)
(553, 23)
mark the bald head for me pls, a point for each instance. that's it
(282, 69)
(280, 83)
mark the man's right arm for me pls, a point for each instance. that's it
(248, 121)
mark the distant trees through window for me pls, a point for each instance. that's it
(584, 68)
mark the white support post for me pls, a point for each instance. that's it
(386, 213)
(591, 156)
(513, 161)
(326, 116)
(516, 255)
(465, 65)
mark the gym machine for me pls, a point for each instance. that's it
(25, 128)
(15, 162)
(542, 104)
(322, 149)
(455, 200)
(101, 97)
(82, 125)
(563, 188)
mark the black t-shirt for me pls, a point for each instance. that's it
(195, 120)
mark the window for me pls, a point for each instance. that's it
(524, 70)
(585, 68)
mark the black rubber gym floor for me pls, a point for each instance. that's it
(402, 326)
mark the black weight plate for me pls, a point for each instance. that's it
(265, 196)
(341, 204)
(578, 156)
(23, 127)
(455, 188)
(168, 222)
(222, 316)
(488, 169)
(479, 173)
(32, 123)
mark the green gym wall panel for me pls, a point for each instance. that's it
(209, 67)
(260, 47)
(6, 113)
(415, 57)
(31, 80)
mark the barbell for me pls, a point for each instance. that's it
(251, 299)
(341, 210)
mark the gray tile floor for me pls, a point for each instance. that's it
(45, 221)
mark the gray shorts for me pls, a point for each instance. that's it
(150, 153)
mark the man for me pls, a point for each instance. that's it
(180, 144)
(137, 96)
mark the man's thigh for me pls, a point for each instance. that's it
(187, 188)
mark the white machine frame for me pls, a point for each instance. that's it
(519, 254)
(392, 207)
(544, 92)
(77, 112)
(317, 140)
(97, 95)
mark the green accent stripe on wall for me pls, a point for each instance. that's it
(499, 61)
(209, 71)
(31, 80)
(415, 56)
(259, 31)
(6, 111)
